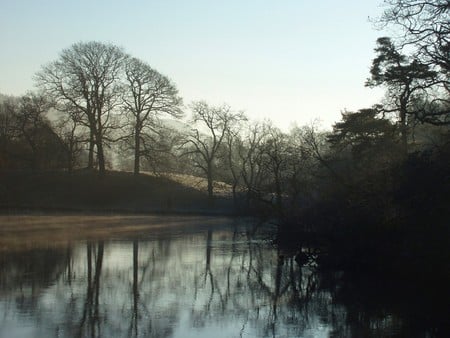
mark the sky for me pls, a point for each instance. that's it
(290, 61)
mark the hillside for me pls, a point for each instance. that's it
(84, 191)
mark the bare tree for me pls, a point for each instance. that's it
(300, 168)
(27, 138)
(85, 78)
(68, 128)
(7, 130)
(276, 155)
(205, 141)
(425, 26)
(235, 146)
(315, 145)
(147, 96)
(251, 155)
(38, 144)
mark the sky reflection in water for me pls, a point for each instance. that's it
(207, 283)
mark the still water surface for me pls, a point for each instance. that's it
(207, 280)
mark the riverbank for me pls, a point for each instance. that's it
(118, 192)
(20, 232)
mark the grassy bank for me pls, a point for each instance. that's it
(117, 192)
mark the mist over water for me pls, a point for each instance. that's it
(217, 281)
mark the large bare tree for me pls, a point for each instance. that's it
(147, 96)
(84, 79)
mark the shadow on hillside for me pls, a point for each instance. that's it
(85, 191)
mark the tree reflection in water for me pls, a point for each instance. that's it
(216, 282)
(90, 320)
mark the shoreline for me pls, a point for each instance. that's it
(33, 210)
(28, 231)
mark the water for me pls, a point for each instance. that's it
(204, 280)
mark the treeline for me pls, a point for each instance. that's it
(383, 187)
(97, 107)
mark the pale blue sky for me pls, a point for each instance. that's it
(287, 60)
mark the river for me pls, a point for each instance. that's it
(210, 278)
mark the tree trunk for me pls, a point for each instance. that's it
(91, 150)
(98, 270)
(137, 151)
(98, 135)
(403, 131)
(101, 159)
(208, 251)
(210, 184)
(70, 157)
(278, 195)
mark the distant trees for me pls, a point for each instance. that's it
(6, 121)
(27, 139)
(251, 159)
(205, 141)
(233, 146)
(366, 136)
(33, 128)
(302, 166)
(67, 126)
(275, 149)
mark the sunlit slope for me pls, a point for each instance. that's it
(221, 189)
